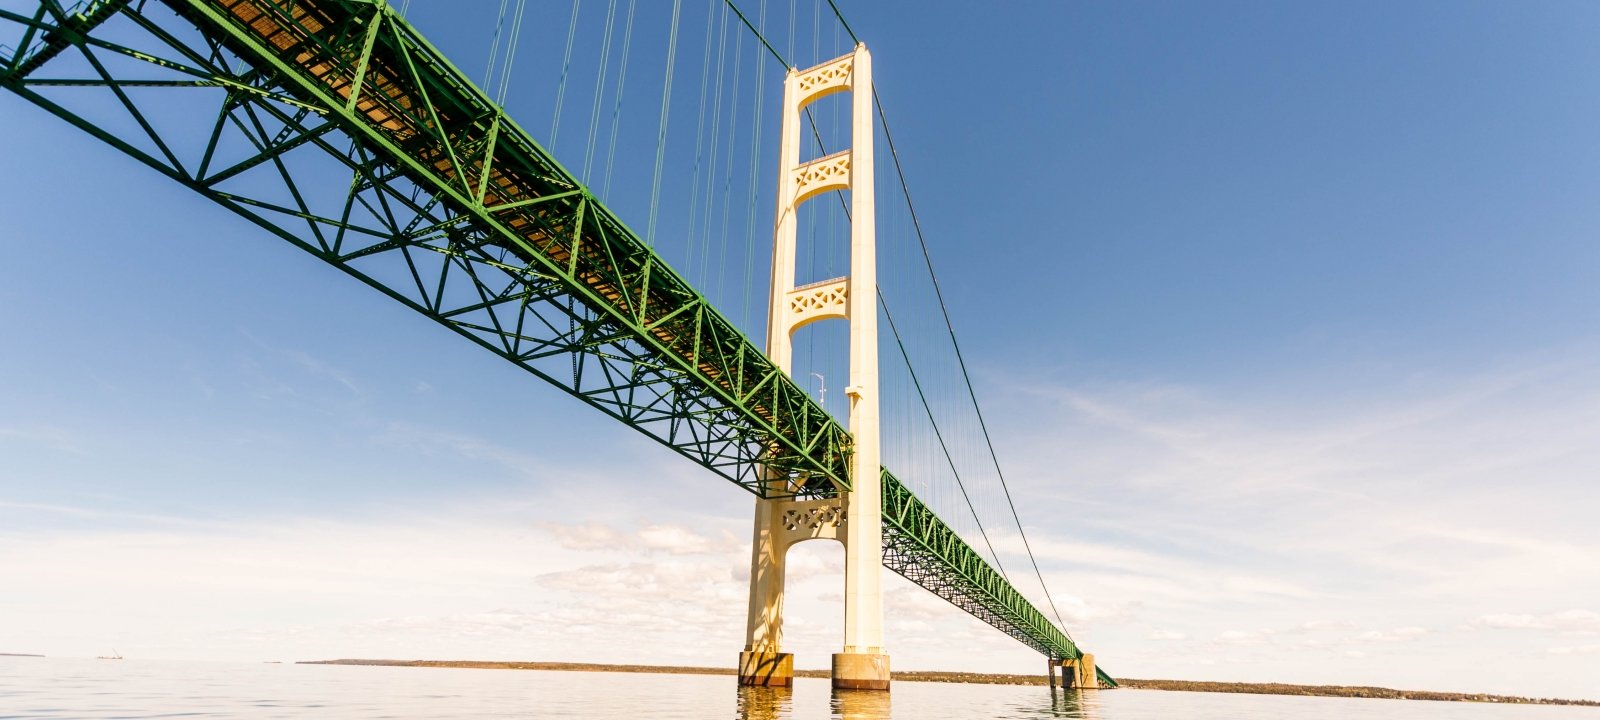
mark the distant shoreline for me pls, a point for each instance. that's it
(997, 679)
(19, 655)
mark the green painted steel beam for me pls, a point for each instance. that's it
(446, 187)
(923, 549)
(336, 127)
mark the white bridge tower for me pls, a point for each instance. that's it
(854, 518)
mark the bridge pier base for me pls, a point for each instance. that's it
(1079, 674)
(860, 671)
(766, 669)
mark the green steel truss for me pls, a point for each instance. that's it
(334, 125)
(444, 204)
(923, 549)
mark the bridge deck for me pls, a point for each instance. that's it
(455, 211)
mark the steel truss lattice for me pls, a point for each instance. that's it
(337, 127)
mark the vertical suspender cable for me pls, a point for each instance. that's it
(616, 108)
(511, 52)
(948, 459)
(494, 47)
(716, 146)
(566, 64)
(727, 180)
(752, 182)
(791, 27)
(699, 139)
(661, 133)
(599, 89)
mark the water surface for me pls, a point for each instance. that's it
(93, 689)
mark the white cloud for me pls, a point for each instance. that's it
(285, 572)
(429, 440)
(1323, 625)
(674, 539)
(1577, 650)
(1503, 621)
(1146, 573)
(1245, 637)
(1380, 508)
(587, 536)
(1405, 634)
(1570, 621)
(912, 602)
(1193, 523)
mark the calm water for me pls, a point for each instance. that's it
(63, 688)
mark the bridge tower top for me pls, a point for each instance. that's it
(852, 298)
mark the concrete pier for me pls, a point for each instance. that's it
(766, 669)
(860, 671)
(1079, 674)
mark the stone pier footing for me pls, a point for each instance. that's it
(861, 671)
(766, 669)
(1079, 674)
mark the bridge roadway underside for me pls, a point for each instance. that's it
(337, 127)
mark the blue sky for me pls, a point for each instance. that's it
(1287, 318)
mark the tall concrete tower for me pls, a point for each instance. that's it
(855, 517)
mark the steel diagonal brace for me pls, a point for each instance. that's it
(366, 58)
(269, 153)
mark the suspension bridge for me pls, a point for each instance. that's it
(336, 126)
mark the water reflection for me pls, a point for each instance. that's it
(860, 705)
(777, 703)
(1078, 704)
(764, 703)
(73, 689)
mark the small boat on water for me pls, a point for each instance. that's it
(113, 656)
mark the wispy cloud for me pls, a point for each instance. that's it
(55, 438)
(1569, 621)
(587, 536)
(1576, 650)
(1402, 513)
(1184, 532)
(1405, 634)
